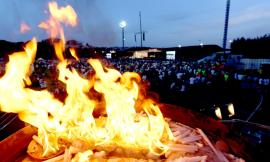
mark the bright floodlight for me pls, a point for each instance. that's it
(122, 24)
(201, 44)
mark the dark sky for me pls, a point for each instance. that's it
(167, 23)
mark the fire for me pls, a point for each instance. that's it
(122, 125)
(65, 15)
(24, 28)
(73, 53)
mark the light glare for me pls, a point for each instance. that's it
(122, 24)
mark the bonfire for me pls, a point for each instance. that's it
(129, 126)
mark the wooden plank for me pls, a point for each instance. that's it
(16, 144)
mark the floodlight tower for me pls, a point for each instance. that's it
(122, 25)
(226, 25)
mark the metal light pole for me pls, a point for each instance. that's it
(123, 37)
(140, 15)
(141, 32)
(122, 25)
(227, 15)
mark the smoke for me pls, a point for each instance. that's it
(94, 27)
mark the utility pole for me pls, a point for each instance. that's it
(226, 25)
(123, 37)
(141, 33)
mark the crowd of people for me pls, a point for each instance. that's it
(179, 82)
(162, 74)
(180, 75)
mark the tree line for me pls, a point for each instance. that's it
(258, 47)
(45, 49)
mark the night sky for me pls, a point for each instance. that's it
(167, 23)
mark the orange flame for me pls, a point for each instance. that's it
(24, 28)
(63, 15)
(73, 53)
(121, 125)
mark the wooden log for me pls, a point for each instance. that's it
(183, 148)
(219, 155)
(190, 139)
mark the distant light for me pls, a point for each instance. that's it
(231, 109)
(230, 41)
(122, 24)
(112, 51)
(201, 44)
(218, 112)
(108, 55)
(179, 45)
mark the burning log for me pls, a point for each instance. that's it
(183, 148)
(192, 159)
(190, 139)
(57, 158)
(200, 150)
